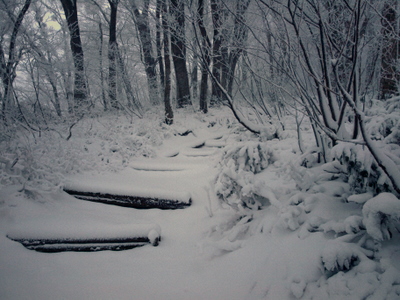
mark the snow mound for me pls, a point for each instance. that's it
(235, 183)
(382, 216)
(340, 256)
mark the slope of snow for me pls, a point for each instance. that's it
(207, 250)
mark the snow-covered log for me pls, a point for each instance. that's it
(135, 201)
(119, 239)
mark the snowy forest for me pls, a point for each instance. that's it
(200, 149)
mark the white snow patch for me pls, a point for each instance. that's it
(379, 214)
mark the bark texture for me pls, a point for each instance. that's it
(390, 75)
(150, 63)
(169, 115)
(80, 86)
(178, 49)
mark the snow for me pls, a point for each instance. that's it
(379, 214)
(339, 256)
(70, 232)
(360, 198)
(298, 245)
(133, 182)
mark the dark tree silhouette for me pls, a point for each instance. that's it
(390, 77)
(169, 115)
(7, 67)
(178, 49)
(80, 88)
(150, 63)
(112, 49)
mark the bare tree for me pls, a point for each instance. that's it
(159, 43)
(101, 71)
(205, 49)
(235, 50)
(169, 115)
(178, 49)
(319, 32)
(81, 100)
(112, 59)
(8, 66)
(327, 43)
(44, 64)
(150, 63)
(117, 65)
(217, 20)
(390, 77)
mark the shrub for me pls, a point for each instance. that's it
(235, 183)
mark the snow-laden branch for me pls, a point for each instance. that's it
(385, 163)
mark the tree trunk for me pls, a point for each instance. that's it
(239, 38)
(231, 71)
(51, 78)
(112, 48)
(216, 51)
(169, 115)
(159, 45)
(194, 75)
(132, 100)
(178, 49)
(224, 61)
(8, 68)
(66, 74)
(80, 87)
(103, 93)
(206, 46)
(143, 26)
(390, 77)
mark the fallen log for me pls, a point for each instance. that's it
(139, 202)
(47, 243)
(80, 245)
(54, 248)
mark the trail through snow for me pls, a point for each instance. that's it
(207, 250)
(176, 269)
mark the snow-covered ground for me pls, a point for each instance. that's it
(291, 248)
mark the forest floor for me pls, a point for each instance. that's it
(207, 250)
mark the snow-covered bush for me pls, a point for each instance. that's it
(235, 183)
(359, 167)
(43, 159)
(291, 217)
(382, 216)
(361, 170)
(383, 125)
(383, 120)
(340, 256)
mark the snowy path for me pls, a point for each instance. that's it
(176, 269)
(206, 251)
